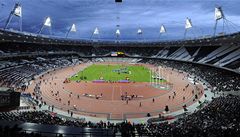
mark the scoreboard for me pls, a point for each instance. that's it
(9, 98)
(117, 54)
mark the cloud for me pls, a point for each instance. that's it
(131, 14)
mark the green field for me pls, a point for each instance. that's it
(113, 73)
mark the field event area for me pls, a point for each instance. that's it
(136, 73)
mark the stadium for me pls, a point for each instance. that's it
(100, 77)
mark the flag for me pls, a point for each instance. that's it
(118, 32)
(96, 31)
(218, 13)
(48, 22)
(163, 29)
(73, 28)
(139, 31)
(188, 24)
(18, 10)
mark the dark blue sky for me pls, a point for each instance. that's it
(147, 14)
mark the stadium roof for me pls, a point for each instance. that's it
(128, 17)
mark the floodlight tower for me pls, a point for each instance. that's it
(96, 33)
(140, 34)
(71, 29)
(162, 30)
(47, 23)
(17, 12)
(188, 25)
(218, 16)
(118, 33)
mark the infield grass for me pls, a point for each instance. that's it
(114, 73)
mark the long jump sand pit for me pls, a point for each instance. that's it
(108, 100)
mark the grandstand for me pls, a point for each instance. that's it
(190, 88)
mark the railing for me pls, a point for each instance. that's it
(56, 130)
(107, 133)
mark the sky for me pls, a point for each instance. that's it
(130, 15)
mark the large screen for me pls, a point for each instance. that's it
(4, 99)
(9, 99)
(117, 54)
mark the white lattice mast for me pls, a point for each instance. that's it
(17, 12)
(156, 76)
(188, 25)
(168, 78)
(154, 79)
(155, 72)
(218, 16)
(159, 76)
(150, 76)
(71, 29)
(162, 30)
(47, 23)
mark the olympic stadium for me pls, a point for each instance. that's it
(119, 68)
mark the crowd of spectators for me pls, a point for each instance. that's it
(219, 79)
(19, 75)
(21, 72)
(44, 117)
(130, 51)
(12, 36)
(50, 118)
(16, 132)
(218, 119)
(17, 49)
